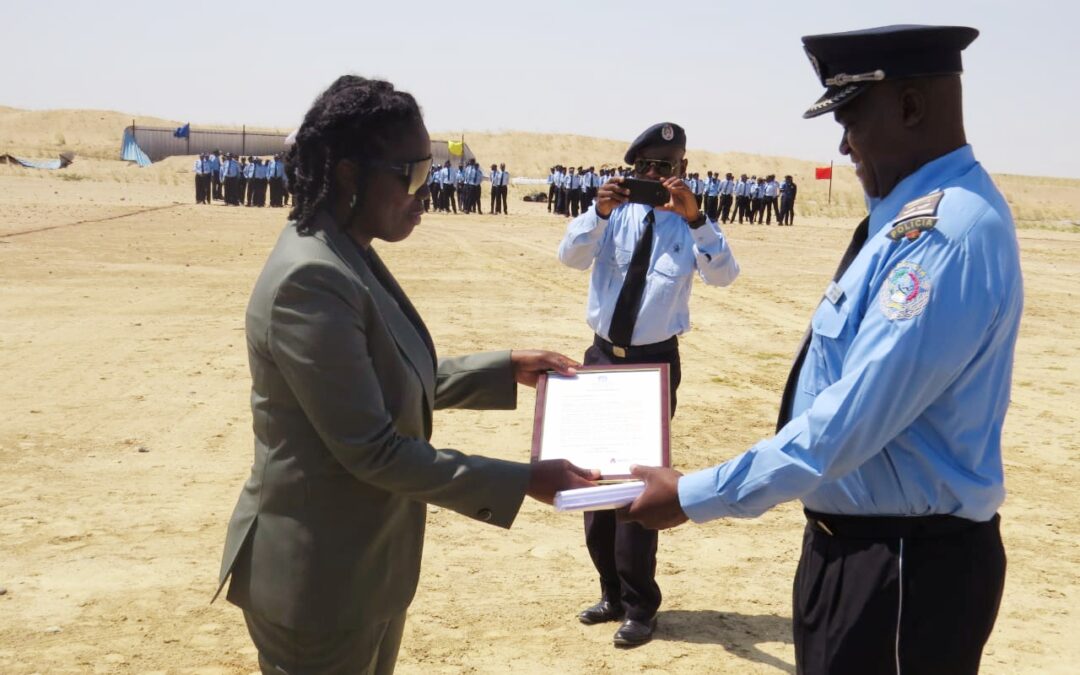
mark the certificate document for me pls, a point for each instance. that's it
(605, 417)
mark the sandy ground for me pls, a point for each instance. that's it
(125, 439)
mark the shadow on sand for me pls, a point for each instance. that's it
(739, 634)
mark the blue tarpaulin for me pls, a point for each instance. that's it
(131, 150)
(64, 160)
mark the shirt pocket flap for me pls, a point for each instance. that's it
(829, 319)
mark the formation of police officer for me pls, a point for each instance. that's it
(724, 199)
(452, 188)
(747, 199)
(572, 189)
(240, 181)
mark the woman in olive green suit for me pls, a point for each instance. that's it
(325, 542)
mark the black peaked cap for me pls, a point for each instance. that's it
(848, 63)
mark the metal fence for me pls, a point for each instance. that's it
(160, 142)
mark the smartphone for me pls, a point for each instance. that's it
(644, 191)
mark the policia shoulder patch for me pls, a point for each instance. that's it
(916, 217)
(911, 229)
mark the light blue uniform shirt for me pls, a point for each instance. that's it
(215, 164)
(230, 168)
(249, 170)
(901, 398)
(677, 252)
(713, 187)
(262, 170)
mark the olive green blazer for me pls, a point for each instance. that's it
(329, 528)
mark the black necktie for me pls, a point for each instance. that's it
(857, 241)
(633, 288)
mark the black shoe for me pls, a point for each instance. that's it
(601, 612)
(634, 633)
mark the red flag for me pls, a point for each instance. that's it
(823, 173)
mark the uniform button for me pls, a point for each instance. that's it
(484, 514)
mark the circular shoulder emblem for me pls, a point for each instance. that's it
(905, 292)
(667, 132)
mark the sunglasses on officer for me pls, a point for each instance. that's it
(414, 172)
(663, 167)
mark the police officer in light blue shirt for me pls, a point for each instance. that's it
(230, 177)
(727, 193)
(643, 265)
(215, 174)
(890, 425)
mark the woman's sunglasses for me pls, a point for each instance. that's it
(415, 172)
(663, 167)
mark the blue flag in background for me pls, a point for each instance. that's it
(183, 132)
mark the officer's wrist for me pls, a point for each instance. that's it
(698, 221)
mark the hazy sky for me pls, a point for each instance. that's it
(733, 73)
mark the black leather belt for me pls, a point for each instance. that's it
(889, 527)
(636, 351)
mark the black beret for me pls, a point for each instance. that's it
(848, 63)
(657, 134)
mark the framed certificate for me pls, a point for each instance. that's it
(605, 417)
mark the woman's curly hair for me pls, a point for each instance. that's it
(354, 117)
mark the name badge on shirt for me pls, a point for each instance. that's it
(834, 293)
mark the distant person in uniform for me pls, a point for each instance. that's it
(202, 193)
(553, 187)
(890, 424)
(788, 192)
(727, 196)
(277, 182)
(504, 188)
(230, 178)
(262, 178)
(247, 174)
(447, 185)
(496, 205)
(768, 201)
(638, 305)
(742, 198)
(215, 175)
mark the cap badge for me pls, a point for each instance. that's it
(840, 79)
(667, 133)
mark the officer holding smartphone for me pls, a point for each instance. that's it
(644, 238)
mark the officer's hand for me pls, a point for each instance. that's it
(682, 200)
(657, 508)
(554, 475)
(610, 195)
(529, 363)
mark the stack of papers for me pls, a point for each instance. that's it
(599, 498)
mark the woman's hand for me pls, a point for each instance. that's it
(554, 475)
(529, 363)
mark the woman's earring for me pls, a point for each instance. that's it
(352, 202)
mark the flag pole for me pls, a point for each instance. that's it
(830, 182)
